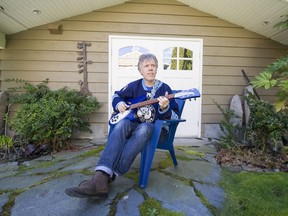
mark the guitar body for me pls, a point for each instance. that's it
(128, 114)
(139, 102)
(115, 118)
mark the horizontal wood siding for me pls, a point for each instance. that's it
(35, 55)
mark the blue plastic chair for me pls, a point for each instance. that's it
(147, 154)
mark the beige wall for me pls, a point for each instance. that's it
(35, 55)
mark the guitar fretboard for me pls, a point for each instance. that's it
(151, 101)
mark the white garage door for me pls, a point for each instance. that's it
(180, 66)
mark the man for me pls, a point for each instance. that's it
(129, 136)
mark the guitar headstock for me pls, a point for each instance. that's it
(186, 94)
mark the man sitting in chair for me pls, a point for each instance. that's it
(131, 133)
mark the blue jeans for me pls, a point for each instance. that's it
(125, 142)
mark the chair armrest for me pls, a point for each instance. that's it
(170, 121)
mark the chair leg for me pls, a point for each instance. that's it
(147, 155)
(142, 163)
(172, 154)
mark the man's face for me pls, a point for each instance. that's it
(148, 70)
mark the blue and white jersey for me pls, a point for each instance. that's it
(137, 91)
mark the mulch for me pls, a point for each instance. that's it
(252, 158)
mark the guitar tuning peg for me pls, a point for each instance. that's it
(80, 71)
(88, 44)
(80, 47)
(80, 65)
(80, 58)
(80, 43)
(89, 62)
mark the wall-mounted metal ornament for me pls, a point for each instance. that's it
(82, 66)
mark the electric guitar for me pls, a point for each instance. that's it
(130, 112)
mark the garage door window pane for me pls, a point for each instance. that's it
(177, 58)
(128, 56)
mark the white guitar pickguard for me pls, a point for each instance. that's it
(115, 119)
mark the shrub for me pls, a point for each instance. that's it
(49, 117)
(231, 134)
(275, 75)
(266, 126)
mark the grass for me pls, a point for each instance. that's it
(253, 194)
(152, 207)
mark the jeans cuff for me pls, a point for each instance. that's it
(105, 169)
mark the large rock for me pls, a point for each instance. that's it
(236, 107)
(213, 131)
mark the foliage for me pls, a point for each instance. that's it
(275, 75)
(183, 53)
(6, 142)
(152, 207)
(255, 193)
(266, 126)
(283, 24)
(230, 136)
(6, 147)
(49, 117)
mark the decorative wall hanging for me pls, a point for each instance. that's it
(82, 59)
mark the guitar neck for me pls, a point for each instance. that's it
(151, 101)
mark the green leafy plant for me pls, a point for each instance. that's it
(6, 144)
(283, 24)
(276, 74)
(231, 136)
(49, 117)
(266, 126)
(152, 212)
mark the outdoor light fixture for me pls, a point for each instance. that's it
(36, 12)
(266, 22)
(55, 28)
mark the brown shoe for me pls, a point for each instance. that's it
(96, 188)
(110, 180)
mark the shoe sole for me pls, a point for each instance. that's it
(72, 193)
(81, 183)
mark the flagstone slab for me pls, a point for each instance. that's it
(173, 195)
(20, 182)
(8, 173)
(129, 204)
(83, 164)
(50, 199)
(200, 171)
(214, 194)
(8, 166)
(57, 165)
(4, 198)
(43, 195)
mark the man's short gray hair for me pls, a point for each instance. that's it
(145, 57)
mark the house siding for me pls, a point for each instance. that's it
(35, 54)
